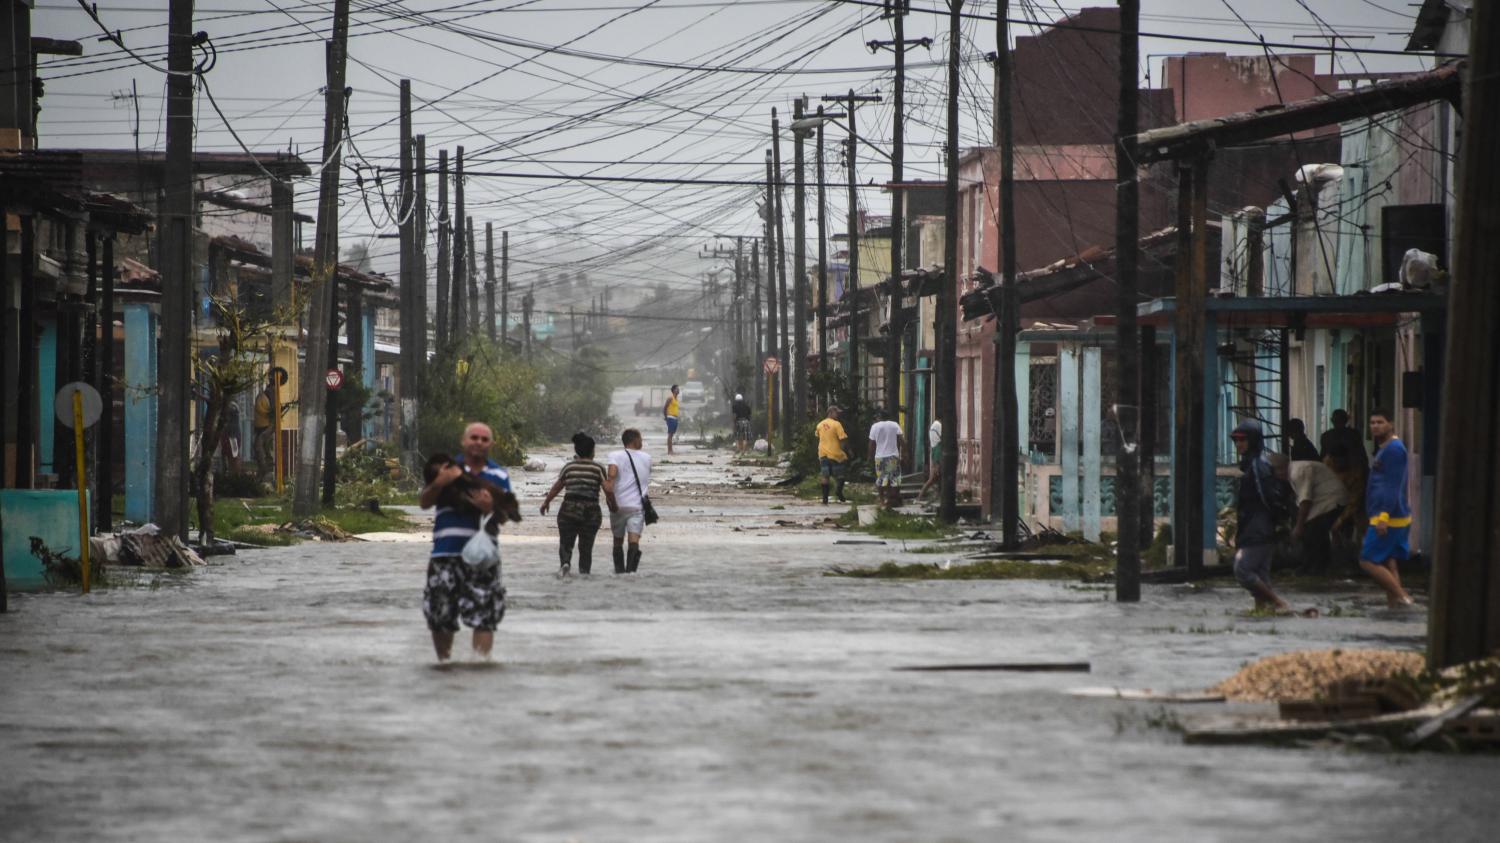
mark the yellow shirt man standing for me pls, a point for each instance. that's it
(831, 451)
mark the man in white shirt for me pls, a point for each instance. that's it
(628, 483)
(886, 444)
(1320, 499)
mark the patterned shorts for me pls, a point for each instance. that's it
(888, 472)
(456, 591)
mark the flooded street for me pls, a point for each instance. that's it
(730, 691)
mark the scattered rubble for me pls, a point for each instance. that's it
(1308, 674)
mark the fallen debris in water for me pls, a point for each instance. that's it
(1307, 674)
(1019, 667)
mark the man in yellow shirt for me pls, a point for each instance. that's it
(832, 455)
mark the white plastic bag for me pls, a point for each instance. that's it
(480, 550)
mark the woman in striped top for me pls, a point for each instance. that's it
(578, 518)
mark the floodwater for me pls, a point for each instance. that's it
(728, 692)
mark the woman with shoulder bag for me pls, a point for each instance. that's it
(578, 518)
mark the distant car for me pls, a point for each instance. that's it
(692, 392)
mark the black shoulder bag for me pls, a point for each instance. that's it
(648, 512)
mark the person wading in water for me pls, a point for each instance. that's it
(578, 518)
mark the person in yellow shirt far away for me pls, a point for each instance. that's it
(670, 412)
(832, 453)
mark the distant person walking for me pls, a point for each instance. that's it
(832, 456)
(934, 456)
(1387, 539)
(457, 591)
(1320, 500)
(578, 519)
(886, 445)
(1298, 446)
(628, 483)
(262, 424)
(741, 410)
(671, 412)
(1255, 531)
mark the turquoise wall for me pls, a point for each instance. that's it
(51, 515)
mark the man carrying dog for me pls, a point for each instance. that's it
(456, 591)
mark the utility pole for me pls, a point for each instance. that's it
(1004, 460)
(773, 224)
(526, 303)
(489, 281)
(785, 398)
(444, 240)
(739, 305)
(413, 320)
(504, 286)
(419, 232)
(173, 397)
(851, 291)
(799, 261)
(460, 261)
(822, 254)
(1464, 621)
(947, 356)
(897, 11)
(756, 354)
(1128, 497)
(312, 391)
(471, 271)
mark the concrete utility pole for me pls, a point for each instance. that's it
(419, 174)
(799, 260)
(773, 223)
(489, 281)
(739, 305)
(785, 398)
(312, 393)
(178, 282)
(504, 286)
(756, 353)
(444, 242)
(822, 253)
(851, 288)
(1129, 496)
(947, 305)
(897, 10)
(471, 270)
(413, 319)
(1464, 623)
(1005, 480)
(460, 262)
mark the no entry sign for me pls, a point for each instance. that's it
(772, 365)
(334, 378)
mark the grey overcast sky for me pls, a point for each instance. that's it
(603, 104)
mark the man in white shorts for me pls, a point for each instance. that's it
(628, 484)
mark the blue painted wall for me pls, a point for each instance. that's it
(51, 515)
(140, 411)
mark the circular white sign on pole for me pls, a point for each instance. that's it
(93, 406)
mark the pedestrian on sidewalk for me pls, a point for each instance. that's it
(1297, 445)
(832, 455)
(934, 456)
(263, 429)
(1256, 507)
(626, 484)
(1387, 536)
(670, 413)
(741, 410)
(1320, 500)
(578, 518)
(886, 444)
(457, 591)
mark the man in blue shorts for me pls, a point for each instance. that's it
(1387, 538)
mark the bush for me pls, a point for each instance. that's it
(238, 484)
(576, 398)
(476, 383)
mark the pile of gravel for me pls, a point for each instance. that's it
(1308, 674)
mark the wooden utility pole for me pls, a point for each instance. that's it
(459, 275)
(504, 286)
(947, 307)
(105, 383)
(897, 11)
(413, 317)
(1146, 434)
(756, 354)
(1187, 461)
(526, 304)
(773, 221)
(313, 392)
(785, 398)
(489, 280)
(798, 403)
(739, 306)
(1127, 347)
(471, 271)
(1464, 623)
(444, 242)
(851, 287)
(1005, 480)
(419, 230)
(174, 372)
(823, 357)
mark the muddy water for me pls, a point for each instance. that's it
(729, 692)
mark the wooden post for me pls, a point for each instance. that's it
(104, 440)
(1464, 620)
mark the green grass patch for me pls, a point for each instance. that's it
(811, 489)
(894, 525)
(1005, 569)
(244, 519)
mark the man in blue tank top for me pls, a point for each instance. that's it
(1387, 535)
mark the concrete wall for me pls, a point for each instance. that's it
(49, 515)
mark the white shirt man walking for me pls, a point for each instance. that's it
(628, 483)
(886, 445)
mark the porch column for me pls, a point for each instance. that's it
(1067, 434)
(140, 411)
(1091, 443)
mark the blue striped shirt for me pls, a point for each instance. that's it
(451, 529)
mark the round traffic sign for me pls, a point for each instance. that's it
(772, 365)
(92, 404)
(333, 378)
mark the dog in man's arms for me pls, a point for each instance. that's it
(456, 494)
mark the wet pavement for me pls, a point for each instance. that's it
(730, 691)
